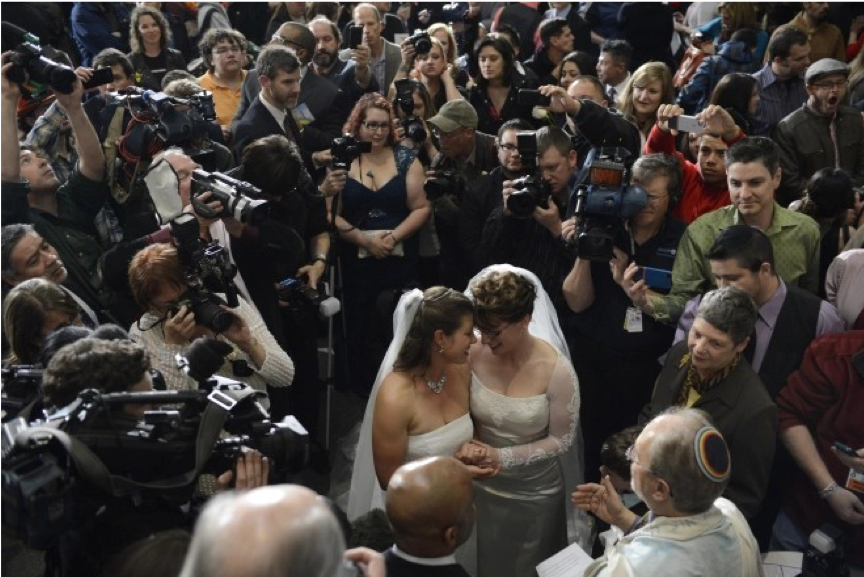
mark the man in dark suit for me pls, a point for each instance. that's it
(708, 372)
(320, 109)
(430, 505)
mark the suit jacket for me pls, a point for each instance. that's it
(325, 101)
(744, 414)
(392, 58)
(257, 123)
(399, 567)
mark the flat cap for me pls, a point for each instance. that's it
(453, 115)
(825, 67)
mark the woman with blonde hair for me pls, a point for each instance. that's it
(648, 88)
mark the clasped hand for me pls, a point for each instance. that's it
(481, 459)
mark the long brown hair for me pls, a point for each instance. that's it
(441, 309)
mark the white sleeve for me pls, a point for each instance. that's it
(563, 396)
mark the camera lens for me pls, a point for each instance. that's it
(521, 203)
(213, 317)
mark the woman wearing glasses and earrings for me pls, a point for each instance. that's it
(379, 213)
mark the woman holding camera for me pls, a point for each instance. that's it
(495, 96)
(148, 37)
(380, 212)
(432, 69)
(168, 327)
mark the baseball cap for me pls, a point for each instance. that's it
(453, 115)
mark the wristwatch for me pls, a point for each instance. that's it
(826, 492)
(321, 257)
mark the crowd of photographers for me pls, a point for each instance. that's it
(224, 182)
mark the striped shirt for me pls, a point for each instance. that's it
(778, 99)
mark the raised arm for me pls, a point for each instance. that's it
(91, 160)
(10, 93)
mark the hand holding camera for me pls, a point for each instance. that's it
(11, 91)
(409, 53)
(179, 326)
(716, 120)
(334, 182)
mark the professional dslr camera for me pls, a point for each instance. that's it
(531, 190)
(605, 202)
(421, 41)
(445, 182)
(345, 150)
(232, 193)
(298, 293)
(208, 271)
(414, 128)
(826, 554)
(58, 474)
(34, 66)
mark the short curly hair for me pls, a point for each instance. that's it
(358, 115)
(213, 37)
(502, 296)
(108, 366)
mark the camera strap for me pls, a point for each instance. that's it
(91, 467)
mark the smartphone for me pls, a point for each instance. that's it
(846, 449)
(355, 37)
(527, 97)
(657, 278)
(99, 77)
(686, 124)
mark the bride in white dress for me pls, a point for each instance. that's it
(525, 406)
(419, 404)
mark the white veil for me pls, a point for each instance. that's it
(544, 325)
(366, 494)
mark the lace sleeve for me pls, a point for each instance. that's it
(563, 396)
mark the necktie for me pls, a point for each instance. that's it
(612, 95)
(290, 126)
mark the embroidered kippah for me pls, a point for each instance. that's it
(712, 455)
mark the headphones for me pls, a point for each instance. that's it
(712, 455)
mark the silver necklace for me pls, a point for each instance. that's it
(436, 386)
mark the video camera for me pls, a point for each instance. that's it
(22, 385)
(604, 203)
(232, 193)
(298, 293)
(413, 125)
(35, 67)
(57, 474)
(445, 182)
(346, 149)
(531, 190)
(208, 270)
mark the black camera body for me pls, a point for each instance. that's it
(825, 556)
(298, 294)
(421, 41)
(208, 270)
(446, 181)
(49, 487)
(239, 198)
(414, 128)
(604, 203)
(531, 190)
(22, 385)
(346, 149)
(34, 66)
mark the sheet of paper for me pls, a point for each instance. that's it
(569, 562)
(782, 563)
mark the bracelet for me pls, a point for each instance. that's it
(826, 492)
(393, 236)
(320, 257)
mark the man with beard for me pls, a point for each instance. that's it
(821, 134)
(679, 466)
(352, 77)
(826, 40)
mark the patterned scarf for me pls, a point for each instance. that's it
(693, 382)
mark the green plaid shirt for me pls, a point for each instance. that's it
(794, 236)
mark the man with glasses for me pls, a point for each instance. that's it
(224, 51)
(617, 345)
(470, 154)
(708, 372)
(319, 109)
(382, 56)
(679, 466)
(824, 133)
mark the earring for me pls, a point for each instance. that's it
(441, 349)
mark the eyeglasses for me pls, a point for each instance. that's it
(628, 454)
(493, 334)
(655, 198)
(232, 50)
(509, 148)
(279, 39)
(447, 135)
(831, 85)
(376, 126)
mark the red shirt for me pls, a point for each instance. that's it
(697, 198)
(826, 395)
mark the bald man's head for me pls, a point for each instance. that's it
(430, 504)
(276, 531)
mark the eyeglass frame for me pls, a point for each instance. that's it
(493, 334)
(508, 148)
(279, 39)
(378, 126)
(439, 134)
(628, 454)
(831, 85)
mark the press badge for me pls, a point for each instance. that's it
(633, 320)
